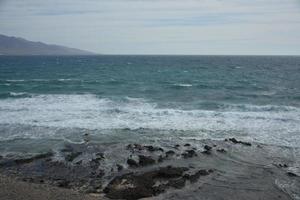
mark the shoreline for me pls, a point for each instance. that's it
(189, 169)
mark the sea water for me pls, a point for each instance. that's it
(47, 101)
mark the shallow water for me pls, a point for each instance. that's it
(45, 101)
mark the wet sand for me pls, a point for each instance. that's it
(182, 169)
(12, 189)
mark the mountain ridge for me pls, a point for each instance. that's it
(10, 45)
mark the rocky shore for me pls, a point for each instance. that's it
(187, 169)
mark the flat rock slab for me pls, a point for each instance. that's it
(187, 169)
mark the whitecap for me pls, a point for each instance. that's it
(183, 85)
(17, 80)
(264, 123)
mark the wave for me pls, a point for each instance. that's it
(6, 95)
(264, 123)
(18, 94)
(17, 80)
(42, 80)
(182, 85)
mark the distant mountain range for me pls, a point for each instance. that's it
(19, 46)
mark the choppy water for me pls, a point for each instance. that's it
(45, 100)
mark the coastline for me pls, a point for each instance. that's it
(193, 169)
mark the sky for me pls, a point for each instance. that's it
(197, 27)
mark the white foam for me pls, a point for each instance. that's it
(18, 80)
(16, 94)
(183, 85)
(275, 124)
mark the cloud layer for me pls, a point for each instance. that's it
(158, 26)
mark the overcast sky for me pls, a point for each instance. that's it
(256, 27)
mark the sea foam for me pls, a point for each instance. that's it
(269, 123)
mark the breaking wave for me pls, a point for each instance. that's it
(278, 124)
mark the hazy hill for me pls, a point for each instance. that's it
(20, 46)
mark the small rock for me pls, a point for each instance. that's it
(119, 167)
(187, 145)
(138, 147)
(160, 158)
(291, 174)
(71, 156)
(207, 148)
(170, 153)
(100, 155)
(62, 183)
(189, 154)
(206, 152)
(221, 150)
(152, 148)
(145, 160)
(235, 141)
(132, 163)
(177, 183)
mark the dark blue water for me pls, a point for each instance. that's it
(256, 98)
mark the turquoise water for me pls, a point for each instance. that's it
(117, 98)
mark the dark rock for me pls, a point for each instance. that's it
(221, 150)
(62, 183)
(194, 177)
(119, 167)
(176, 146)
(100, 155)
(145, 160)
(235, 141)
(189, 154)
(206, 152)
(130, 187)
(135, 186)
(132, 163)
(207, 148)
(152, 148)
(71, 156)
(170, 153)
(246, 143)
(31, 159)
(135, 147)
(160, 158)
(138, 147)
(177, 183)
(187, 145)
(79, 162)
(291, 174)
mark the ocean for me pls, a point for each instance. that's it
(48, 101)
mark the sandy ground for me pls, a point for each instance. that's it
(11, 189)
